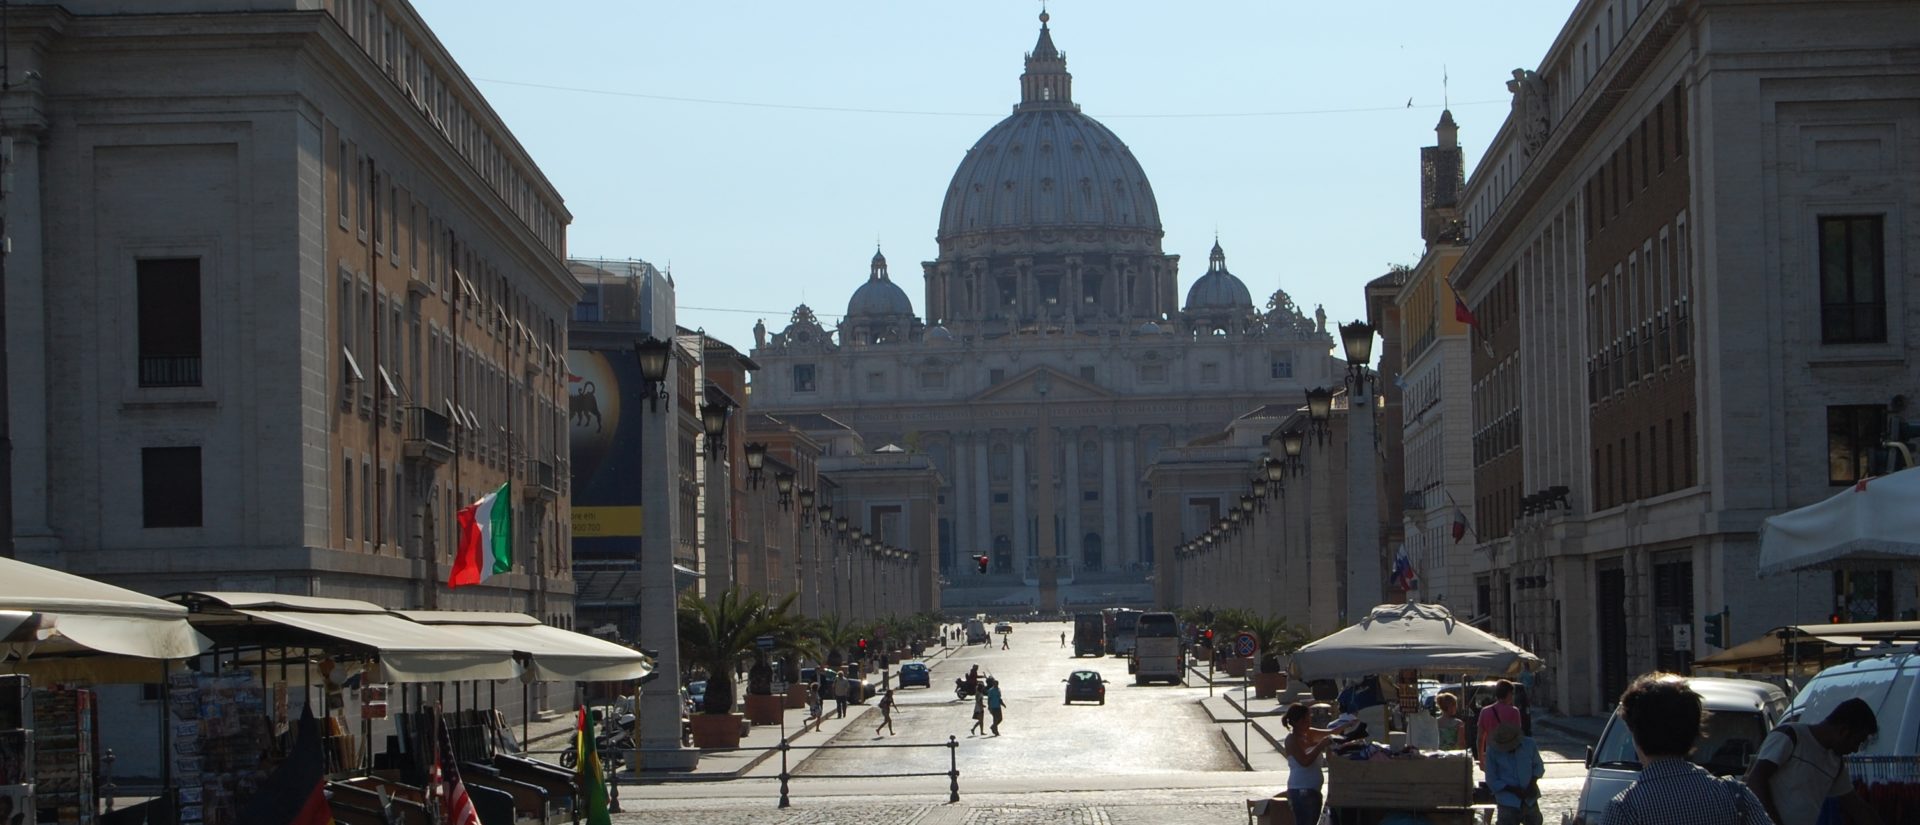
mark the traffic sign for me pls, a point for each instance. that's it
(764, 642)
(1246, 644)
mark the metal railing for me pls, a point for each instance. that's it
(952, 772)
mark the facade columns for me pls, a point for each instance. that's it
(962, 492)
(1021, 547)
(1109, 498)
(1127, 550)
(983, 493)
(659, 602)
(1070, 498)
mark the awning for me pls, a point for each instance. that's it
(554, 654)
(408, 651)
(1875, 523)
(80, 616)
(1811, 646)
(1397, 637)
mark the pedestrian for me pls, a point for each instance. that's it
(1802, 769)
(995, 704)
(1303, 746)
(1501, 712)
(1063, 638)
(841, 687)
(1665, 716)
(979, 713)
(813, 704)
(1453, 730)
(1514, 769)
(1003, 640)
(886, 714)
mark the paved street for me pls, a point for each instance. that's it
(1149, 755)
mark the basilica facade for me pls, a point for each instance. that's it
(1054, 360)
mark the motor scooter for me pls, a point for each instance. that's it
(612, 742)
(963, 690)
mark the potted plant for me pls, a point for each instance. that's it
(795, 645)
(715, 636)
(1278, 637)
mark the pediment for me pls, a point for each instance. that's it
(1060, 387)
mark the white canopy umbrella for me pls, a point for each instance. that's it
(81, 616)
(554, 654)
(1396, 637)
(1871, 523)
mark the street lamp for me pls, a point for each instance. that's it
(857, 536)
(713, 422)
(652, 353)
(1261, 485)
(1357, 339)
(806, 506)
(1319, 412)
(840, 526)
(783, 484)
(756, 460)
(1247, 503)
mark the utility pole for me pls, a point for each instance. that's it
(6, 247)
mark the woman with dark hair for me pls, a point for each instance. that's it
(1303, 746)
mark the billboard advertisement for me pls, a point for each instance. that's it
(604, 415)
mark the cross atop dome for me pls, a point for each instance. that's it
(1046, 84)
(879, 272)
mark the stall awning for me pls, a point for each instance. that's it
(1812, 645)
(408, 651)
(1397, 637)
(1875, 523)
(81, 616)
(554, 654)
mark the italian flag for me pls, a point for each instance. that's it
(486, 539)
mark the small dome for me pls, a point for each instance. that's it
(879, 295)
(939, 334)
(1218, 289)
(1148, 328)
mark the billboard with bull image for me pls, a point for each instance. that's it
(604, 415)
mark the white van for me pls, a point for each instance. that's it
(1740, 713)
(1890, 683)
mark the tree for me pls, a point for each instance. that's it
(835, 636)
(715, 635)
(1278, 637)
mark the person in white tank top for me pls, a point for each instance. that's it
(1303, 747)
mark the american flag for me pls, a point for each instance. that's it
(456, 808)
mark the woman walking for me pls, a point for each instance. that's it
(886, 714)
(1303, 747)
(979, 712)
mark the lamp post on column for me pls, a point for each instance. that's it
(715, 409)
(659, 624)
(1366, 563)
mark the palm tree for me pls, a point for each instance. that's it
(716, 635)
(1278, 637)
(836, 636)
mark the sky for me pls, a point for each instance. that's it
(762, 148)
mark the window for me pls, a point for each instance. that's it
(346, 497)
(1854, 433)
(933, 379)
(994, 377)
(1210, 373)
(366, 499)
(1280, 368)
(803, 378)
(344, 194)
(1153, 373)
(1853, 280)
(876, 381)
(169, 320)
(999, 498)
(170, 486)
(1086, 374)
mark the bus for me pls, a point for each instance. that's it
(1120, 623)
(1156, 652)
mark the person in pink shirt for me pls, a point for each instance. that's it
(1502, 711)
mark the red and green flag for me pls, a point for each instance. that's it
(295, 794)
(486, 539)
(587, 773)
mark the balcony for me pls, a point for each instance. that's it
(542, 480)
(429, 435)
(1413, 501)
(169, 370)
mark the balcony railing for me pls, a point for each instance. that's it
(544, 481)
(1413, 501)
(429, 435)
(169, 370)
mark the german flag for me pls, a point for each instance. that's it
(296, 792)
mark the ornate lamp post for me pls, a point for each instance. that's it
(783, 484)
(652, 354)
(756, 453)
(1319, 412)
(1292, 444)
(714, 413)
(806, 506)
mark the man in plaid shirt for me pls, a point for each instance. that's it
(1664, 715)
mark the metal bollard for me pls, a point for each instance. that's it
(953, 769)
(784, 773)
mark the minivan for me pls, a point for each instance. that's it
(1740, 713)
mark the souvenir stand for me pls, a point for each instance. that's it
(1434, 786)
(60, 636)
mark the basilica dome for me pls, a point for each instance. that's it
(1048, 166)
(1218, 289)
(879, 296)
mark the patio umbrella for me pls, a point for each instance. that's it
(1870, 523)
(1396, 637)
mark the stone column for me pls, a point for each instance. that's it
(1109, 500)
(982, 494)
(1020, 514)
(1048, 551)
(659, 626)
(1366, 562)
(1070, 499)
(1129, 545)
(960, 481)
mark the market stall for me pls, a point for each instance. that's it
(60, 636)
(1872, 523)
(1395, 780)
(1797, 652)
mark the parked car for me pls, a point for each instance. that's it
(1086, 686)
(1003, 627)
(697, 693)
(1740, 712)
(915, 673)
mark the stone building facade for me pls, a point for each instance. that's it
(285, 293)
(1691, 259)
(1053, 362)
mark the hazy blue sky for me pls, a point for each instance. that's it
(1282, 125)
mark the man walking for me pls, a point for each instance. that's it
(1803, 768)
(1664, 716)
(1514, 769)
(995, 704)
(841, 688)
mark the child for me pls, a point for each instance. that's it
(886, 714)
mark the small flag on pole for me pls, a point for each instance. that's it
(456, 807)
(1460, 526)
(587, 772)
(486, 539)
(295, 794)
(1404, 576)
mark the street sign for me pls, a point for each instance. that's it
(764, 642)
(1245, 645)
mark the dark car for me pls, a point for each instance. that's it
(915, 673)
(1086, 686)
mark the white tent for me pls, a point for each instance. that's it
(1871, 523)
(554, 655)
(1396, 637)
(80, 616)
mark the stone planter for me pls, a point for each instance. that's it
(1235, 667)
(765, 710)
(1268, 685)
(797, 695)
(716, 730)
